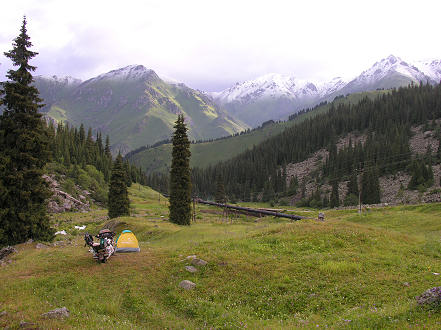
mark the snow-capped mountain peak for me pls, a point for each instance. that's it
(274, 85)
(389, 65)
(131, 72)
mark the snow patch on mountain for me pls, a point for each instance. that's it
(330, 87)
(431, 68)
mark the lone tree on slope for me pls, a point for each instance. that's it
(24, 151)
(119, 203)
(180, 180)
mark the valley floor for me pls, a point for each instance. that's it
(351, 271)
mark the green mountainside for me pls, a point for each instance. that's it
(385, 124)
(135, 107)
(158, 159)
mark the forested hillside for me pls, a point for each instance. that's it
(157, 158)
(83, 162)
(386, 121)
(261, 173)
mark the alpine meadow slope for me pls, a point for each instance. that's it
(348, 271)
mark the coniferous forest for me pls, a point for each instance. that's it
(29, 148)
(386, 122)
(86, 160)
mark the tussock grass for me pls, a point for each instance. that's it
(351, 271)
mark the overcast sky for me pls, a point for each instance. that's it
(210, 45)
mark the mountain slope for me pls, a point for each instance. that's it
(431, 69)
(135, 107)
(275, 96)
(385, 123)
(158, 159)
(54, 88)
(390, 72)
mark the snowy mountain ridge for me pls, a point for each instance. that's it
(387, 66)
(275, 85)
(130, 72)
(64, 80)
(285, 86)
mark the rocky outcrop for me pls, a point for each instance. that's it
(6, 252)
(187, 285)
(58, 313)
(393, 187)
(62, 201)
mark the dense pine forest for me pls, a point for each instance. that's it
(86, 160)
(260, 173)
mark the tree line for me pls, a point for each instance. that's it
(71, 146)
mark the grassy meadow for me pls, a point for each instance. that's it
(351, 271)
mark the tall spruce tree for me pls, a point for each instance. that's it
(334, 200)
(119, 203)
(25, 151)
(370, 186)
(220, 191)
(180, 179)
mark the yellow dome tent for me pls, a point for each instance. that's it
(127, 242)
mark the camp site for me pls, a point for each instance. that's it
(220, 164)
(346, 271)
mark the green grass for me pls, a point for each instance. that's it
(351, 271)
(57, 113)
(209, 153)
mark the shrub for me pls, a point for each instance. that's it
(69, 186)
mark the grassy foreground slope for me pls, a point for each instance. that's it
(354, 271)
(158, 159)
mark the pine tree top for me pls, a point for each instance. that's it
(20, 95)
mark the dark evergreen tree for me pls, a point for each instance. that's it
(268, 192)
(353, 184)
(334, 201)
(370, 187)
(220, 191)
(24, 144)
(180, 180)
(351, 197)
(107, 148)
(325, 201)
(422, 175)
(119, 204)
